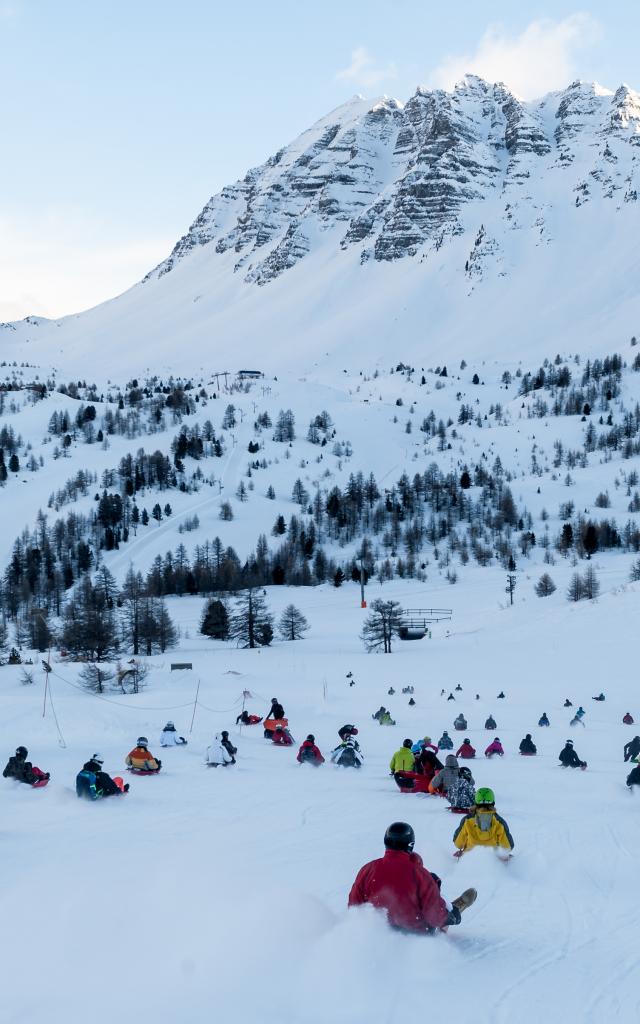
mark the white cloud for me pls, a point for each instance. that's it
(540, 59)
(64, 261)
(363, 70)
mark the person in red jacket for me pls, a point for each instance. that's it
(309, 753)
(282, 737)
(465, 750)
(399, 884)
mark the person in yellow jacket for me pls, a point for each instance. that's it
(403, 760)
(483, 826)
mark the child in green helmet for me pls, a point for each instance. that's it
(483, 826)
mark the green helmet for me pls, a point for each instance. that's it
(485, 796)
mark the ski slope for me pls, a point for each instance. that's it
(210, 893)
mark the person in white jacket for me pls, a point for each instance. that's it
(169, 737)
(219, 753)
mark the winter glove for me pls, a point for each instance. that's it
(454, 917)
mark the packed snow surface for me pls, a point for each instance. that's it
(222, 893)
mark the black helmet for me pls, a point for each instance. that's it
(21, 752)
(407, 743)
(569, 743)
(142, 741)
(274, 700)
(399, 836)
(311, 738)
(224, 734)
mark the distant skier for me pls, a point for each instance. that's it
(501, 695)
(483, 826)
(600, 697)
(494, 749)
(412, 702)
(633, 778)
(347, 730)
(169, 737)
(458, 687)
(347, 754)
(244, 718)
(379, 713)
(543, 720)
(460, 723)
(627, 719)
(403, 759)
(21, 770)
(490, 723)
(408, 689)
(219, 753)
(568, 757)
(93, 783)
(399, 884)
(445, 742)
(390, 691)
(451, 697)
(528, 747)
(465, 750)
(309, 753)
(632, 749)
(140, 760)
(567, 703)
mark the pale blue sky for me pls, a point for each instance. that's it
(119, 120)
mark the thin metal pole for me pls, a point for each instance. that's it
(195, 704)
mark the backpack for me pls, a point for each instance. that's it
(86, 785)
(348, 758)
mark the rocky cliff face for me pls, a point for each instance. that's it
(400, 180)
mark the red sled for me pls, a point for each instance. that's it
(459, 810)
(41, 779)
(411, 782)
(39, 784)
(119, 783)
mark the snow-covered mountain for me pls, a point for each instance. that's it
(456, 223)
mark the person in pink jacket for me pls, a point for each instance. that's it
(494, 748)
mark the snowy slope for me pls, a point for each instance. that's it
(207, 893)
(458, 224)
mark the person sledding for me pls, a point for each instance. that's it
(141, 761)
(170, 738)
(483, 826)
(93, 783)
(567, 703)
(528, 747)
(600, 697)
(578, 717)
(443, 780)
(309, 753)
(445, 742)
(274, 717)
(347, 730)
(543, 720)
(221, 753)
(347, 754)
(383, 717)
(465, 750)
(633, 778)
(460, 723)
(427, 763)
(400, 885)
(627, 719)
(403, 759)
(18, 768)
(632, 749)
(568, 757)
(495, 749)
(244, 718)
(490, 723)
(281, 737)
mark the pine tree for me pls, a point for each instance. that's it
(338, 578)
(545, 586)
(591, 584)
(576, 588)
(382, 625)
(293, 624)
(251, 623)
(215, 620)
(89, 625)
(131, 596)
(226, 512)
(95, 677)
